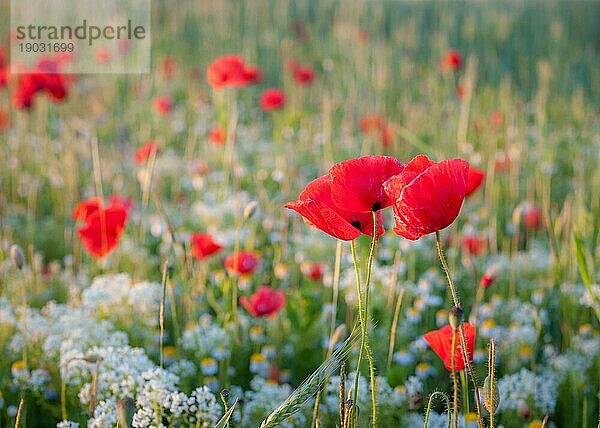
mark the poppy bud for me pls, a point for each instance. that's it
(17, 256)
(523, 409)
(491, 396)
(250, 209)
(455, 317)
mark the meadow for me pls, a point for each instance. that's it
(299, 191)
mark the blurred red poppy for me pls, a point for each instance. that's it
(272, 99)
(230, 71)
(252, 74)
(312, 271)
(427, 195)
(241, 263)
(43, 78)
(318, 210)
(357, 184)
(86, 208)
(102, 229)
(3, 69)
(163, 105)
(216, 136)
(265, 302)
(203, 245)
(370, 123)
(168, 67)
(474, 180)
(302, 74)
(441, 343)
(145, 151)
(474, 245)
(490, 275)
(451, 61)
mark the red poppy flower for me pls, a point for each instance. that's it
(272, 99)
(451, 61)
(3, 69)
(216, 136)
(387, 135)
(252, 74)
(370, 124)
(312, 271)
(528, 214)
(163, 105)
(168, 66)
(474, 245)
(102, 229)
(496, 119)
(357, 184)
(303, 75)
(490, 275)
(4, 120)
(29, 85)
(265, 302)
(203, 245)
(145, 151)
(318, 210)
(103, 55)
(474, 180)
(122, 201)
(86, 208)
(532, 217)
(241, 263)
(428, 195)
(441, 343)
(230, 71)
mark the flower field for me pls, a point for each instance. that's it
(308, 214)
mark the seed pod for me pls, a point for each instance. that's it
(17, 256)
(491, 398)
(455, 317)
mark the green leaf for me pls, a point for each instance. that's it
(225, 419)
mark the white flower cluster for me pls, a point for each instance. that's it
(263, 399)
(206, 340)
(539, 390)
(116, 297)
(159, 401)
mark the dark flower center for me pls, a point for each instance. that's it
(376, 206)
(356, 224)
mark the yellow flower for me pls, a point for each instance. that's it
(18, 365)
(170, 351)
(471, 417)
(535, 424)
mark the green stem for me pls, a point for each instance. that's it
(435, 394)
(465, 389)
(445, 268)
(461, 332)
(454, 379)
(369, 353)
(162, 313)
(363, 330)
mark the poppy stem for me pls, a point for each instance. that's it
(445, 268)
(465, 353)
(366, 319)
(454, 380)
(461, 332)
(161, 317)
(363, 330)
